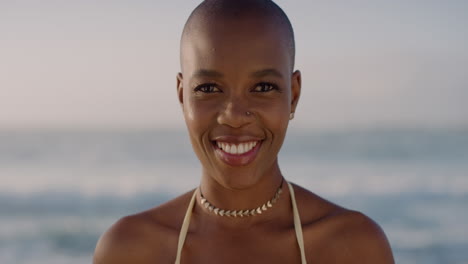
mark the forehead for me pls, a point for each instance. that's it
(235, 45)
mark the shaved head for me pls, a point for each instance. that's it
(237, 82)
(218, 12)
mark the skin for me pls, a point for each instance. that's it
(238, 77)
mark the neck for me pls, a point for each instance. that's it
(250, 196)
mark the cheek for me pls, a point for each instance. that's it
(198, 115)
(198, 120)
(275, 114)
(278, 121)
(275, 119)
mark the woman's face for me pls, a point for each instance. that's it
(237, 92)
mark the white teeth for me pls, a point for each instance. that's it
(238, 149)
(233, 149)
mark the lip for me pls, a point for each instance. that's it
(236, 139)
(234, 159)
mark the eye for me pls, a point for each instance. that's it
(264, 87)
(207, 88)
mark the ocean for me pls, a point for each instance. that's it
(60, 190)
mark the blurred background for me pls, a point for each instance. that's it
(91, 130)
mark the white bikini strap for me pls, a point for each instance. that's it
(185, 226)
(297, 225)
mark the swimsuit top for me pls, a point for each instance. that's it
(297, 226)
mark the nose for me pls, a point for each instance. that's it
(235, 113)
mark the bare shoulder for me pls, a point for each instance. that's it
(357, 239)
(125, 242)
(147, 237)
(334, 234)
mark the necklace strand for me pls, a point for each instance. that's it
(241, 213)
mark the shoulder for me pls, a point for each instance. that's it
(338, 235)
(358, 239)
(125, 241)
(147, 237)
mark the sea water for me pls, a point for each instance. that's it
(59, 191)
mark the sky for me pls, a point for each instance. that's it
(112, 64)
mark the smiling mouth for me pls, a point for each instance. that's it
(236, 149)
(239, 153)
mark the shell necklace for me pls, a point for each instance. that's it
(241, 213)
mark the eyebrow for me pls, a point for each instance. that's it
(257, 74)
(207, 73)
(266, 72)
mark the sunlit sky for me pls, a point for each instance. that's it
(112, 64)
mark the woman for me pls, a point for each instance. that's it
(238, 92)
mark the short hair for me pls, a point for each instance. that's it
(210, 10)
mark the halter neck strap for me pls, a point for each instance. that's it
(297, 225)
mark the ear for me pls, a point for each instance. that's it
(180, 90)
(295, 89)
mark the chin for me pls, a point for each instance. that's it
(237, 179)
